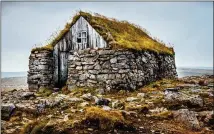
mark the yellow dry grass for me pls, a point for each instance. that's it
(161, 85)
(106, 119)
(34, 127)
(162, 115)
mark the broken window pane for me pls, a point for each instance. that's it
(79, 35)
(78, 40)
(83, 34)
(82, 38)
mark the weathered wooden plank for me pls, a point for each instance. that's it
(93, 38)
(63, 68)
(56, 65)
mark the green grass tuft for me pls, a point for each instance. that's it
(44, 92)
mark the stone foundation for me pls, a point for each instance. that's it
(118, 69)
(41, 69)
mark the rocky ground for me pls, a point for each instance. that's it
(181, 106)
(11, 83)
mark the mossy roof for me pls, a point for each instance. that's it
(118, 34)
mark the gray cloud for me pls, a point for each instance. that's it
(189, 26)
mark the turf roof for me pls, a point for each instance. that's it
(118, 34)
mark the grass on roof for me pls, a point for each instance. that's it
(118, 34)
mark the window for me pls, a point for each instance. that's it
(79, 40)
(82, 38)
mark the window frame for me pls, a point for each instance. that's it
(81, 38)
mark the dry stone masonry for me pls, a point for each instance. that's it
(117, 69)
(40, 72)
(102, 68)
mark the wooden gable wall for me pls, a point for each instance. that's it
(68, 43)
(94, 39)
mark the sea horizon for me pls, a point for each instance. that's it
(182, 72)
(13, 74)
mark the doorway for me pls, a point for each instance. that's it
(60, 68)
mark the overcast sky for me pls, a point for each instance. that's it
(189, 26)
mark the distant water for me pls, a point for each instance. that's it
(13, 74)
(194, 71)
(182, 71)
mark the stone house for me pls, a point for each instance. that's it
(95, 51)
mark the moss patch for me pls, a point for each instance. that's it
(144, 109)
(163, 115)
(44, 92)
(48, 47)
(160, 85)
(106, 119)
(118, 34)
(34, 127)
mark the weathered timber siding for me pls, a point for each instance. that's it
(56, 65)
(94, 39)
(69, 41)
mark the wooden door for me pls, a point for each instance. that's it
(60, 67)
(63, 68)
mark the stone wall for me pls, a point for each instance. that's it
(40, 72)
(117, 69)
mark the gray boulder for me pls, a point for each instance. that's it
(118, 104)
(3, 125)
(106, 108)
(196, 100)
(7, 110)
(181, 98)
(75, 99)
(83, 104)
(206, 117)
(87, 96)
(140, 95)
(101, 101)
(100, 91)
(130, 99)
(188, 118)
(27, 95)
(40, 107)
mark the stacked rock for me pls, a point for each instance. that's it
(41, 69)
(118, 69)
